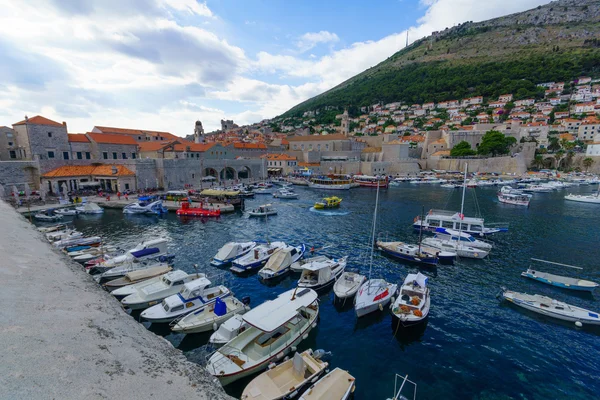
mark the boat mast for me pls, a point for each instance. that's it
(373, 233)
(462, 207)
(421, 230)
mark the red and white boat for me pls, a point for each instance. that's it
(188, 211)
(371, 181)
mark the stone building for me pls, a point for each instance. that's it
(112, 146)
(345, 123)
(108, 177)
(336, 142)
(227, 125)
(42, 139)
(9, 148)
(198, 133)
(139, 135)
(81, 147)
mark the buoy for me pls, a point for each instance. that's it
(578, 324)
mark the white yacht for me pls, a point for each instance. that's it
(210, 317)
(228, 330)
(192, 296)
(145, 294)
(463, 238)
(276, 327)
(348, 284)
(231, 251)
(146, 205)
(285, 194)
(319, 275)
(413, 302)
(279, 264)
(256, 258)
(90, 208)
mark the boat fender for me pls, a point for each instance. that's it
(272, 365)
(380, 307)
(392, 302)
(215, 326)
(578, 324)
(279, 356)
(314, 325)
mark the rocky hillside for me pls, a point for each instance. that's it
(555, 42)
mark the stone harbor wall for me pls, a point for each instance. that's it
(63, 337)
(17, 173)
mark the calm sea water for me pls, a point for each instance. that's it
(472, 346)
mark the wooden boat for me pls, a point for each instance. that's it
(348, 284)
(319, 275)
(372, 181)
(564, 282)
(187, 211)
(210, 317)
(552, 308)
(336, 385)
(328, 202)
(275, 327)
(287, 379)
(138, 276)
(413, 302)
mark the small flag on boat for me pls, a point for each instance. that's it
(461, 216)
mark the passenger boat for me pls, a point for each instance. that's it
(372, 181)
(373, 294)
(551, 308)
(514, 199)
(332, 182)
(228, 330)
(148, 293)
(320, 275)
(453, 220)
(187, 211)
(563, 282)
(279, 264)
(286, 380)
(256, 258)
(48, 216)
(276, 327)
(336, 385)
(413, 302)
(463, 238)
(146, 205)
(137, 276)
(348, 284)
(263, 211)
(211, 317)
(328, 202)
(192, 296)
(285, 194)
(90, 208)
(231, 251)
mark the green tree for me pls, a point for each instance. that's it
(587, 162)
(553, 143)
(495, 143)
(559, 156)
(462, 149)
(538, 161)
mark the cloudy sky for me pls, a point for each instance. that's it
(162, 64)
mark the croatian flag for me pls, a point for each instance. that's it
(461, 216)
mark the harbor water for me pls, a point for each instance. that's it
(471, 347)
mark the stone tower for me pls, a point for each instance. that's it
(345, 123)
(199, 133)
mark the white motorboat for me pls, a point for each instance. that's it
(276, 328)
(263, 190)
(98, 251)
(263, 211)
(319, 275)
(452, 246)
(256, 258)
(146, 205)
(106, 252)
(348, 284)
(142, 251)
(67, 212)
(416, 253)
(77, 241)
(192, 296)
(211, 317)
(514, 199)
(286, 380)
(560, 281)
(463, 238)
(583, 198)
(298, 266)
(90, 208)
(231, 251)
(336, 385)
(280, 262)
(552, 308)
(137, 276)
(413, 302)
(48, 216)
(531, 188)
(373, 294)
(128, 268)
(285, 194)
(63, 235)
(148, 293)
(53, 228)
(228, 330)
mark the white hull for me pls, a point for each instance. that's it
(348, 284)
(192, 324)
(583, 199)
(373, 295)
(330, 187)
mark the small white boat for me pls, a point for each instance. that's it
(581, 198)
(230, 252)
(348, 284)
(413, 302)
(228, 330)
(77, 241)
(148, 293)
(96, 251)
(67, 212)
(280, 262)
(256, 258)
(137, 276)
(373, 295)
(564, 282)
(336, 385)
(286, 380)
(48, 216)
(262, 211)
(531, 188)
(144, 250)
(146, 205)
(552, 308)
(298, 266)
(52, 228)
(210, 317)
(464, 238)
(263, 190)
(451, 246)
(129, 268)
(285, 194)
(319, 275)
(276, 326)
(192, 296)
(63, 235)
(90, 208)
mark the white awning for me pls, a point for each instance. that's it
(272, 314)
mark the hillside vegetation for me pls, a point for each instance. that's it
(510, 54)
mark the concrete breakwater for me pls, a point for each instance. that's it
(64, 337)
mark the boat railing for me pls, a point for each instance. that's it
(405, 383)
(226, 351)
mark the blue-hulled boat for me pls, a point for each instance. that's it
(564, 282)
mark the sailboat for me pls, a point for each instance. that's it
(582, 198)
(374, 293)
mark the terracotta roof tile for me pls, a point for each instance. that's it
(249, 146)
(38, 120)
(109, 138)
(88, 170)
(78, 138)
(136, 132)
(281, 157)
(316, 137)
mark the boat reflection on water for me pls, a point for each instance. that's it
(407, 335)
(370, 319)
(189, 343)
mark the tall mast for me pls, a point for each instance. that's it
(421, 230)
(374, 226)
(462, 204)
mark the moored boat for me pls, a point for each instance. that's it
(328, 202)
(263, 211)
(228, 330)
(148, 293)
(187, 211)
(256, 258)
(48, 216)
(372, 181)
(90, 208)
(212, 316)
(137, 276)
(373, 295)
(332, 182)
(560, 281)
(336, 385)
(514, 199)
(348, 284)
(320, 275)
(280, 262)
(413, 302)
(231, 251)
(146, 205)
(454, 220)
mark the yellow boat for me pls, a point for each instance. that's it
(328, 202)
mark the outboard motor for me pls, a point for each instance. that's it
(321, 354)
(246, 300)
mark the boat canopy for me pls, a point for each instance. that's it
(139, 274)
(196, 284)
(280, 260)
(418, 277)
(176, 275)
(275, 313)
(230, 250)
(220, 193)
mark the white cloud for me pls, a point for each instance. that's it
(311, 39)
(190, 6)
